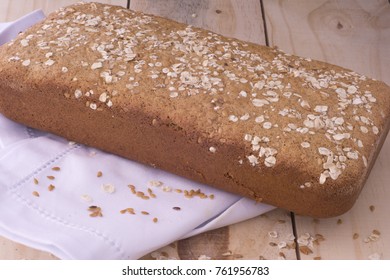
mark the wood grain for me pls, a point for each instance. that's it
(13, 9)
(268, 236)
(351, 33)
(354, 34)
(14, 251)
(234, 18)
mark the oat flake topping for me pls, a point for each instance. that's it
(268, 98)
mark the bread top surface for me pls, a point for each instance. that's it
(284, 112)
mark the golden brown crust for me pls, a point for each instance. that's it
(288, 131)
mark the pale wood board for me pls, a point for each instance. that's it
(10, 250)
(233, 18)
(246, 240)
(350, 33)
(268, 236)
(356, 35)
(13, 9)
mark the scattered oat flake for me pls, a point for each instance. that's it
(50, 177)
(173, 94)
(155, 220)
(56, 168)
(355, 236)
(36, 182)
(26, 62)
(270, 161)
(267, 125)
(228, 253)
(144, 213)
(99, 174)
(86, 198)
(282, 245)
(108, 188)
(96, 65)
(176, 208)
(305, 145)
(372, 208)
(35, 193)
(24, 42)
(273, 234)
(78, 93)
(339, 221)
(51, 187)
(233, 118)
(156, 183)
(374, 256)
(49, 62)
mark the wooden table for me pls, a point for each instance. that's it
(351, 33)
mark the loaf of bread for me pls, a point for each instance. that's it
(288, 131)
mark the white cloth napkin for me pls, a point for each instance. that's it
(59, 221)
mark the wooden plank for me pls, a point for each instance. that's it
(13, 251)
(251, 239)
(268, 236)
(350, 33)
(12, 10)
(354, 34)
(235, 18)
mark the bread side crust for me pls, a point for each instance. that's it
(188, 135)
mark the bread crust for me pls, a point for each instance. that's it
(288, 131)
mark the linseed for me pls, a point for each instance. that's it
(95, 211)
(305, 250)
(128, 210)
